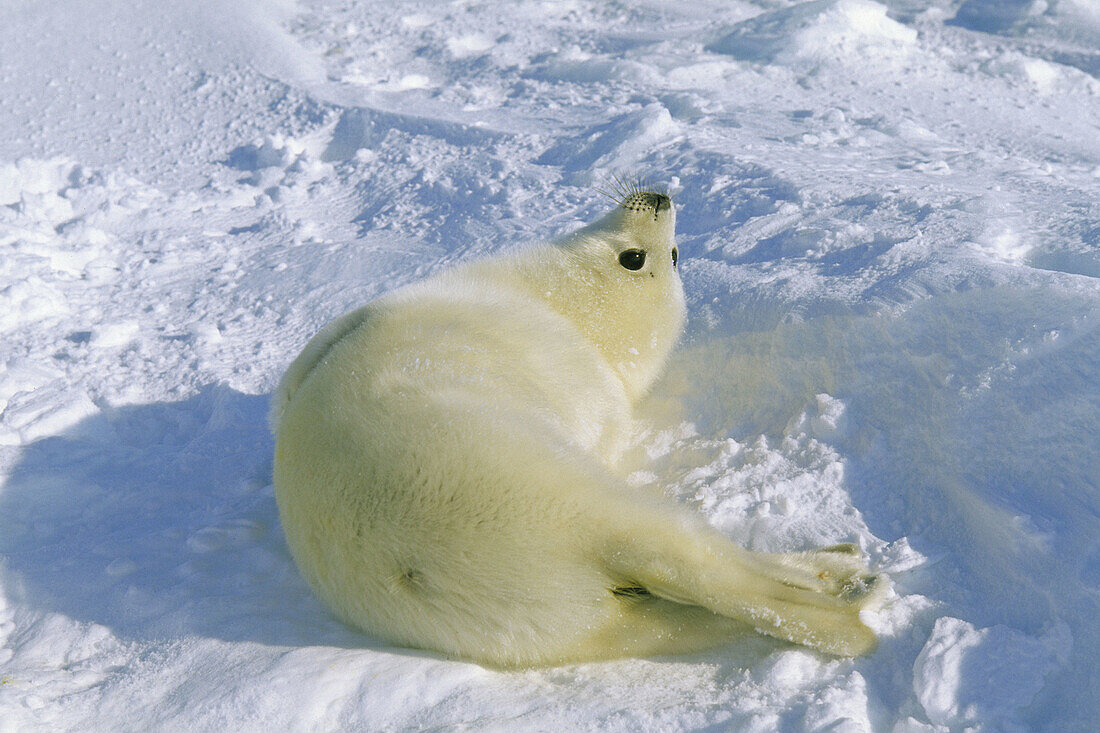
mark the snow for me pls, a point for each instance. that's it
(889, 227)
(965, 677)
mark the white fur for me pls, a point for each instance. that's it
(445, 470)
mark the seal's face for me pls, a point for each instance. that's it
(637, 236)
(619, 283)
(645, 205)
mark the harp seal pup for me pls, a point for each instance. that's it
(445, 469)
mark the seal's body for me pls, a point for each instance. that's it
(445, 469)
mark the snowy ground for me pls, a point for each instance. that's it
(890, 236)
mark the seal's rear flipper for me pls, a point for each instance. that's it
(695, 565)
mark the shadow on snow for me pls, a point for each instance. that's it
(158, 521)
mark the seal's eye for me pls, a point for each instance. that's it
(632, 259)
(675, 254)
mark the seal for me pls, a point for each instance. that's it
(445, 469)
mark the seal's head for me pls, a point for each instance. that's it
(617, 280)
(644, 223)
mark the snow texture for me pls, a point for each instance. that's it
(890, 240)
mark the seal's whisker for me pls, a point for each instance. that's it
(604, 192)
(621, 188)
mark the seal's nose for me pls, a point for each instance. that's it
(658, 201)
(647, 201)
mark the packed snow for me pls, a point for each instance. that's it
(890, 241)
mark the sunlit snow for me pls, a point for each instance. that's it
(889, 229)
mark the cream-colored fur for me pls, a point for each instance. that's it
(445, 470)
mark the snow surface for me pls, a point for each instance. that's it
(890, 236)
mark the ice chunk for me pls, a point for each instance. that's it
(965, 676)
(836, 30)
